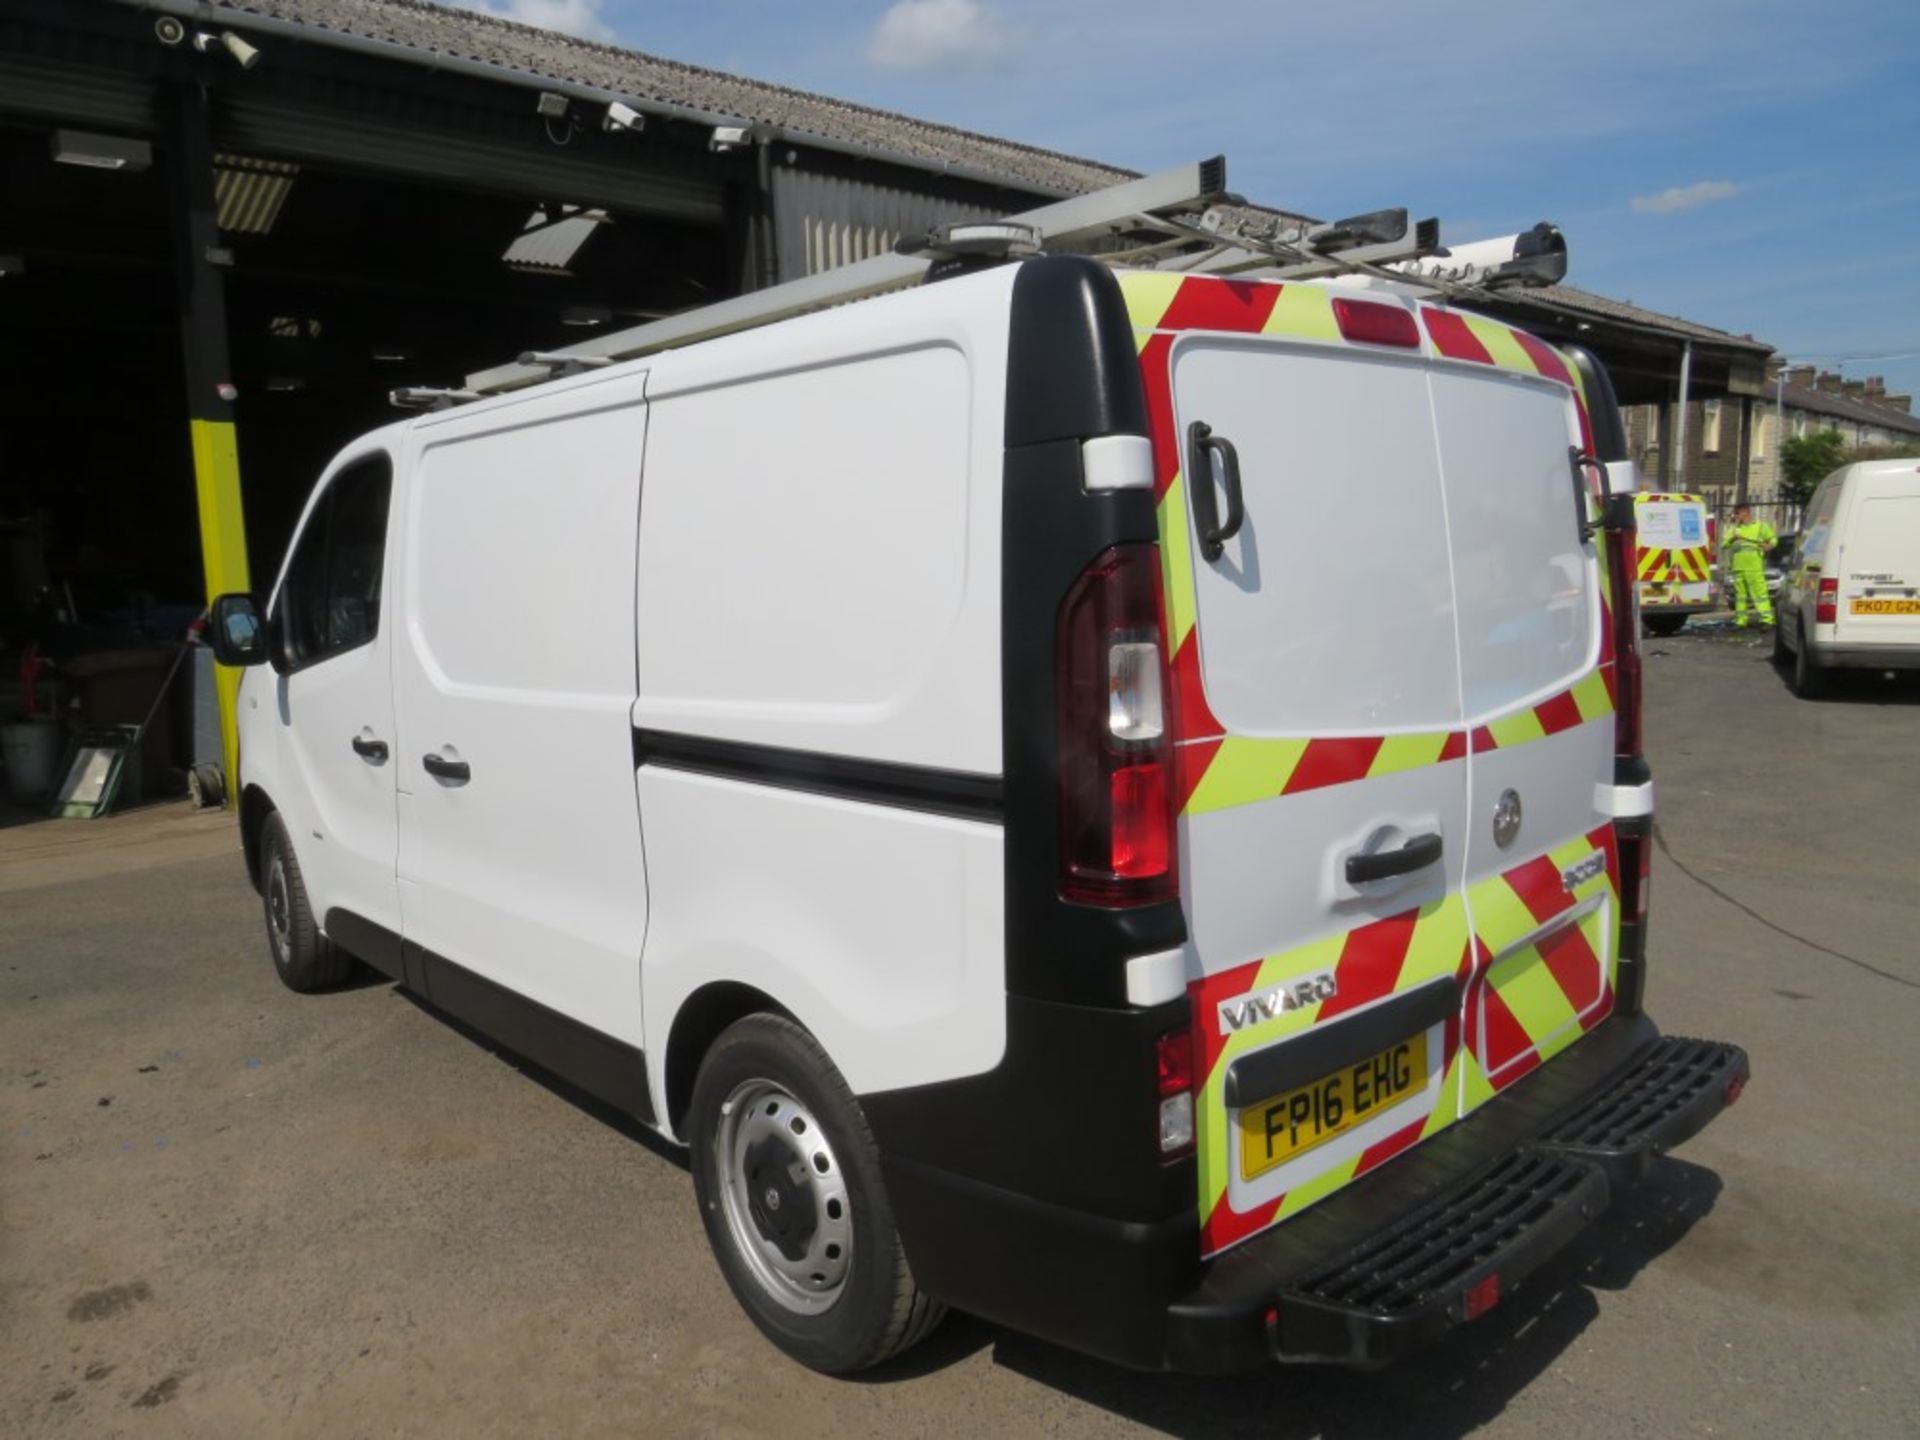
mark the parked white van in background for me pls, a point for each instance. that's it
(1851, 598)
(1113, 801)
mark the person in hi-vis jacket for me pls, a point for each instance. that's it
(1745, 551)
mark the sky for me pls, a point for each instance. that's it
(1749, 164)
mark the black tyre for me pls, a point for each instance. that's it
(1665, 624)
(1781, 653)
(788, 1180)
(1809, 675)
(304, 959)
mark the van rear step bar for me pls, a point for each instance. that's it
(1669, 1096)
(1441, 1234)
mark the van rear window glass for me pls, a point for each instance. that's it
(1332, 610)
(1527, 592)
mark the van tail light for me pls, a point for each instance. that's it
(1623, 544)
(1116, 747)
(1173, 1054)
(1373, 323)
(1826, 604)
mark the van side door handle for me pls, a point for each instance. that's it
(1418, 853)
(442, 768)
(1202, 446)
(369, 749)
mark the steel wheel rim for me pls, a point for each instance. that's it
(279, 910)
(767, 1148)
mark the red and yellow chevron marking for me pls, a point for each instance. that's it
(1218, 772)
(1369, 963)
(1683, 566)
(1529, 1000)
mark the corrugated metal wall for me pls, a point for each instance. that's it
(823, 221)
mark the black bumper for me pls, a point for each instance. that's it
(1434, 1238)
(1383, 1267)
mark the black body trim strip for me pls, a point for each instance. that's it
(958, 793)
(367, 941)
(606, 1068)
(1325, 1048)
(610, 1070)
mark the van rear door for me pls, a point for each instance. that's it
(1320, 728)
(1407, 607)
(1541, 862)
(1878, 563)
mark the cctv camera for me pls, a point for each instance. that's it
(241, 53)
(169, 30)
(244, 54)
(622, 117)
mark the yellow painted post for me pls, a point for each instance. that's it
(223, 553)
(199, 261)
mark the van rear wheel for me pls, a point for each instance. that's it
(304, 959)
(1665, 624)
(788, 1180)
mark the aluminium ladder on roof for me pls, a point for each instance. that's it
(1180, 219)
(1081, 222)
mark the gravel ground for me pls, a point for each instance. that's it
(229, 1211)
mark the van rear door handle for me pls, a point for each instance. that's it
(1202, 446)
(1418, 853)
(369, 749)
(442, 768)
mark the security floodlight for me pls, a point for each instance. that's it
(552, 105)
(727, 137)
(622, 117)
(101, 152)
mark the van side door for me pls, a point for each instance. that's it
(520, 859)
(334, 699)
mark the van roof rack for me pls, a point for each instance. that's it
(1181, 219)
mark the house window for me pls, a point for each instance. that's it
(1759, 434)
(1710, 427)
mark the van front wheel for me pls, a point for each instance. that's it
(788, 1180)
(304, 959)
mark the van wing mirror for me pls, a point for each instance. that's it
(237, 631)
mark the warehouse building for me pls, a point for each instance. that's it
(229, 227)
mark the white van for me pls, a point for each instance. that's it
(1851, 596)
(1108, 800)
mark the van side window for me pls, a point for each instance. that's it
(330, 600)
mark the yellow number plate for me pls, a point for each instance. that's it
(1276, 1130)
(1885, 607)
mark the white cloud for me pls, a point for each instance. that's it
(569, 17)
(1685, 197)
(942, 35)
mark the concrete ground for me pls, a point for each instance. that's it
(226, 1210)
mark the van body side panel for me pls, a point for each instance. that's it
(516, 661)
(818, 599)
